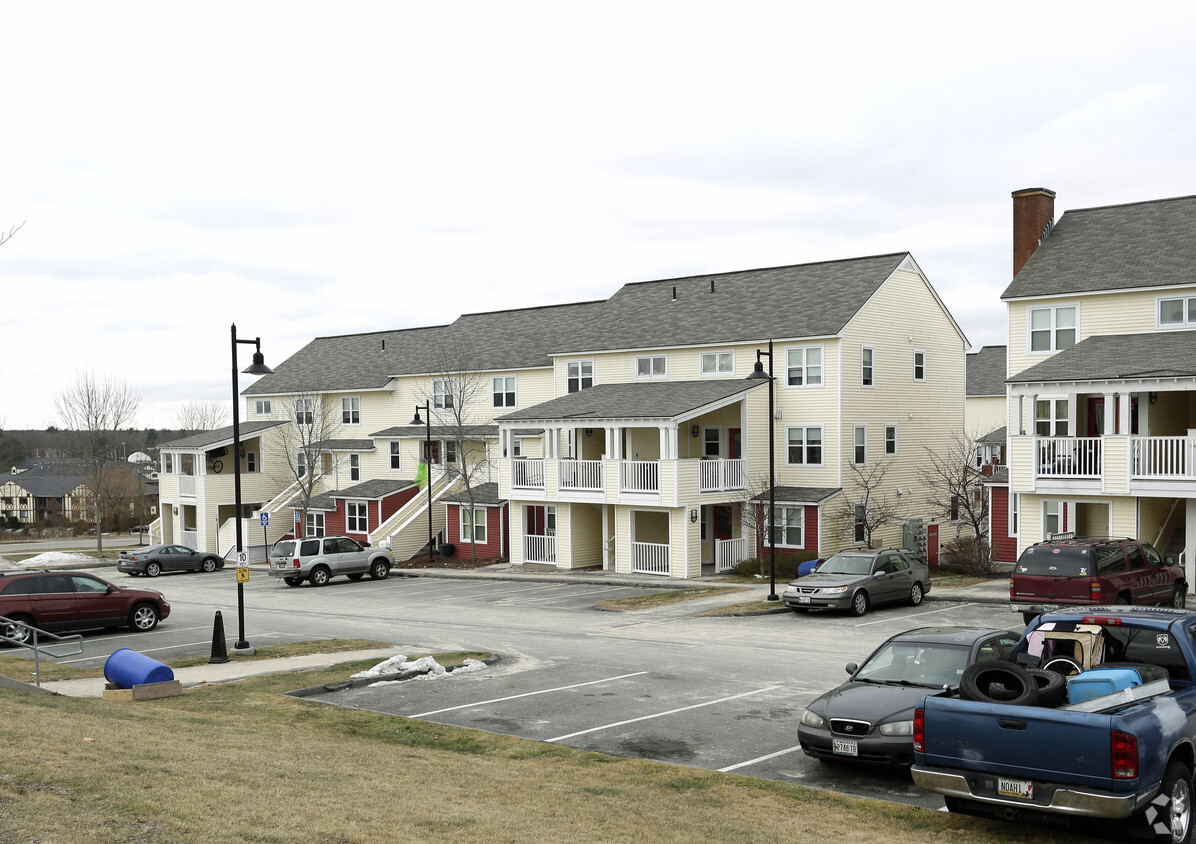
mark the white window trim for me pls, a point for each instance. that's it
(1189, 318)
(1054, 328)
(894, 440)
(393, 452)
(856, 431)
(251, 464)
(442, 394)
(805, 367)
(718, 371)
(857, 522)
(871, 367)
(516, 446)
(514, 391)
(366, 506)
(651, 369)
(1046, 513)
(580, 362)
(310, 528)
(355, 466)
(784, 508)
(306, 406)
(464, 510)
(263, 407)
(921, 352)
(1052, 418)
(806, 445)
(354, 409)
(1015, 506)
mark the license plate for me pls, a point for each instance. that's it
(803, 599)
(844, 747)
(1015, 788)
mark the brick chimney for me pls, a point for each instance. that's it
(1033, 213)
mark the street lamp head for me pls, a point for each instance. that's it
(758, 371)
(258, 367)
(417, 420)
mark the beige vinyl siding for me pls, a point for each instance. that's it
(585, 525)
(984, 414)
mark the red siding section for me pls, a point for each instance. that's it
(495, 547)
(1003, 545)
(379, 511)
(809, 539)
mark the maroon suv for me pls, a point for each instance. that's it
(1088, 570)
(71, 600)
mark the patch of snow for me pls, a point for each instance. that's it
(48, 560)
(432, 670)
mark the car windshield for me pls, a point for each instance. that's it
(845, 564)
(1056, 561)
(283, 549)
(917, 663)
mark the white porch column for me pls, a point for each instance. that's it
(1143, 414)
(664, 443)
(1108, 423)
(608, 447)
(1123, 413)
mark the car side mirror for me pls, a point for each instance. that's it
(878, 574)
(851, 668)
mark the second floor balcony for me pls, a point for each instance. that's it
(668, 482)
(1129, 465)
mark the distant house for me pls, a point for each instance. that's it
(45, 492)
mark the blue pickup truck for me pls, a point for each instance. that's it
(1126, 756)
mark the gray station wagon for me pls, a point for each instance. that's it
(857, 580)
(318, 559)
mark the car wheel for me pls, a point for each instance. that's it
(152, 569)
(1123, 600)
(209, 564)
(1175, 815)
(319, 576)
(1179, 598)
(292, 581)
(859, 603)
(379, 570)
(17, 629)
(998, 682)
(357, 575)
(143, 617)
(915, 594)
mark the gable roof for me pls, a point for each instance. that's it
(1112, 357)
(220, 436)
(373, 490)
(1116, 247)
(636, 400)
(986, 372)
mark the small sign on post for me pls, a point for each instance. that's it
(242, 559)
(242, 574)
(264, 518)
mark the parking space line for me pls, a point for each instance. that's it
(915, 615)
(662, 714)
(759, 759)
(527, 694)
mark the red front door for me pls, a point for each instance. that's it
(722, 521)
(734, 443)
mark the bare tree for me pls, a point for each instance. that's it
(300, 448)
(864, 507)
(11, 231)
(459, 401)
(955, 493)
(95, 410)
(196, 416)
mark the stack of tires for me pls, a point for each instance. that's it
(994, 681)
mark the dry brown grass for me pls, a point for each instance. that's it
(660, 599)
(241, 762)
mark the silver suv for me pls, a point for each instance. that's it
(321, 558)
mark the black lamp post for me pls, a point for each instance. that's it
(257, 368)
(428, 460)
(758, 373)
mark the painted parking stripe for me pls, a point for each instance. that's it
(662, 714)
(759, 759)
(913, 615)
(526, 694)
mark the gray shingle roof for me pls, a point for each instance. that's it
(206, 439)
(997, 436)
(439, 432)
(804, 300)
(1117, 247)
(345, 445)
(636, 400)
(986, 372)
(1112, 357)
(484, 495)
(374, 489)
(798, 494)
(44, 486)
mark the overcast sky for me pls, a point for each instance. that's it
(316, 169)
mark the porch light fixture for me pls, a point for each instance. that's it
(757, 374)
(258, 367)
(589, 432)
(693, 430)
(1154, 397)
(693, 515)
(428, 460)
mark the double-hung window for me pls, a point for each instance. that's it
(717, 363)
(919, 365)
(350, 410)
(804, 447)
(1050, 418)
(1053, 329)
(355, 467)
(305, 411)
(262, 407)
(786, 529)
(473, 525)
(396, 454)
(860, 444)
(890, 440)
(251, 461)
(651, 366)
(357, 518)
(1052, 518)
(579, 375)
(442, 393)
(860, 528)
(502, 387)
(314, 524)
(300, 464)
(803, 366)
(867, 362)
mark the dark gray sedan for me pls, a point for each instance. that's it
(857, 580)
(870, 717)
(156, 559)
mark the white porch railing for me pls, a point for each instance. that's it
(539, 549)
(729, 553)
(580, 474)
(1068, 457)
(187, 486)
(719, 475)
(527, 473)
(649, 558)
(639, 476)
(1166, 458)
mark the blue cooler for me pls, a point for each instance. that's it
(1097, 682)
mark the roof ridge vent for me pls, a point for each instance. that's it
(1046, 232)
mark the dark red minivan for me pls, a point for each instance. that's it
(59, 601)
(1090, 570)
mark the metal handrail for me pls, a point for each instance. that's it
(37, 649)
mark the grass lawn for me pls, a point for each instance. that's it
(243, 762)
